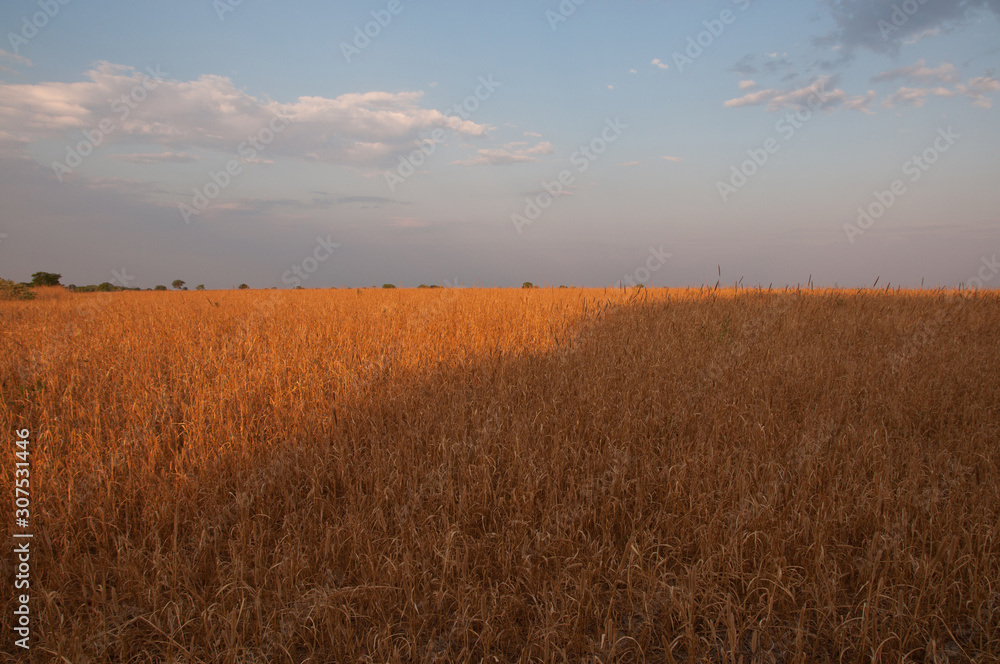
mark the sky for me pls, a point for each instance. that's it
(572, 142)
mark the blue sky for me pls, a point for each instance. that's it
(337, 137)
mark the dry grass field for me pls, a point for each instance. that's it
(548, 475)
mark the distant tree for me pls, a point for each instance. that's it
(387, 286)
(527, 284)
(177, 284)
(160, 288)
(562, 287)
(244, 287)
(11, 290)
(422, 286)
(200, 287)
(106, 287)
(45, 279)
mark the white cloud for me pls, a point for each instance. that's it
(861, 102)
(659, 63)
(630, 163)
(12, 57)
(914, 96)
(542, 148)
(815, 95)
(922, 83)
(746, 85)
(976, 89)
(919, 73)
(512, 153)
(674, 159)
(211, 113)
(752, 99)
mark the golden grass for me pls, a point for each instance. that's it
(508, 476)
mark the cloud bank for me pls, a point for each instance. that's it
(358, 129)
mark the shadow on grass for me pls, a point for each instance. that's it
(698, 479)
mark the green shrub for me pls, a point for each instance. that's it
(11, 290)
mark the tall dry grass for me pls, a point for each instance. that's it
(508, 476)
